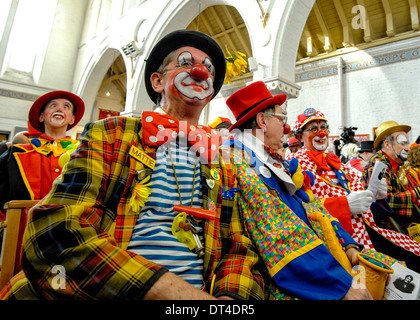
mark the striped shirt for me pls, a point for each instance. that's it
(331, 177)
(152, 237)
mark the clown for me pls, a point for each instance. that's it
(28, 170)
(393, 145)
(343, 194)
(332, 178)
(275, 208)
(116, 209)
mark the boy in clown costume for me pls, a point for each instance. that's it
(298, 263)
(28, 170)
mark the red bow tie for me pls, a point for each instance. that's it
(159, 129)
(323, 160)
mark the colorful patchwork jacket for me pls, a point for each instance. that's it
(85, 223)
(298, 264)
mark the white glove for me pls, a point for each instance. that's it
(360, 201)
(382, 189)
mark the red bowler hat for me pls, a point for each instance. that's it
(39, 103)
(247, 102)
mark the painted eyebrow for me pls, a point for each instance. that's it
(55, 101)
(401, 139)
(185, 56)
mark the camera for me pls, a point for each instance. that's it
(348, 134)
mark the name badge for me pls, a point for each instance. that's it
(141, 156)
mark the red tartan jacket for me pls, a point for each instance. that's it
(402, 196)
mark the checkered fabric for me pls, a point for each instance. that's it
(322, 189)
(307, 116)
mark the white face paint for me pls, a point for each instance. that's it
(189, 87)
(402, 140)
(315, 136)
(57, 113)
(57, 118)
(319, 143)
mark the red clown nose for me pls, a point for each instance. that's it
(322, 134)
(286, 129)
(199, 72)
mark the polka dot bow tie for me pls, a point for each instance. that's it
(161, 128)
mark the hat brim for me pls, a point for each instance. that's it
(293, 145)
(310, 120)
(365, 150)
(39, 103)
(185, 38)
(278, 99)
(381, 137)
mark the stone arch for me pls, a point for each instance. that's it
(286, 43)
(170, 19)
(92, 78)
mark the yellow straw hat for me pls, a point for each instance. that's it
(387, 128)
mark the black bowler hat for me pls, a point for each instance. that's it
(366, 146)
(185, 38)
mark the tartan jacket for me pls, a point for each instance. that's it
(402, 197)
(85, 223)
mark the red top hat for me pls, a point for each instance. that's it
(247, 102)
(39, 103)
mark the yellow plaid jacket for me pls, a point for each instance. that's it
(84, 224)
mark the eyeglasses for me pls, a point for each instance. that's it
(188, 65)
(315, 129)
(283, 116)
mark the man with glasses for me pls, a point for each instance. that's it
(342, 191)
(127, 220)
(392, 146)
(297, 263)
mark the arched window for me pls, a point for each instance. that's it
(4, 12)
(29, 38)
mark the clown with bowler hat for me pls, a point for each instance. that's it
(392, 145)
(142, 210)
(28, 170)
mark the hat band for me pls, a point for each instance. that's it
(250, 108)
